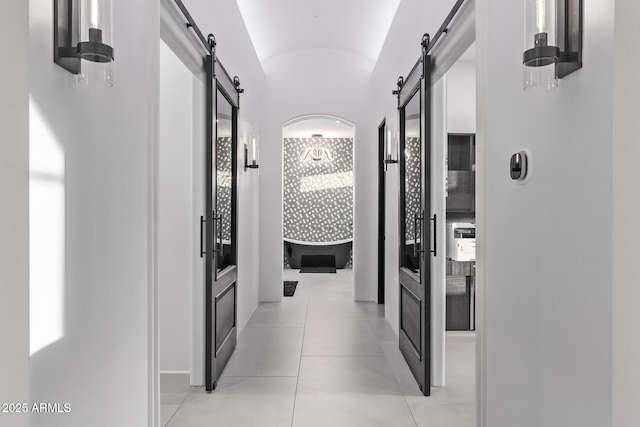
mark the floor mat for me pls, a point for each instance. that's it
(318, 270)
(318, 261)
(290, 288)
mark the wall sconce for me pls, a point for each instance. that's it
(553, 42)
(82, 38)
(389, 160)
(254, 158)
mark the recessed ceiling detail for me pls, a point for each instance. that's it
(281, 26)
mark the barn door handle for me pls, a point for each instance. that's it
(201, 236)
(435, 235)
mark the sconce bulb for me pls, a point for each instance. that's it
(388, 143)
(541, 15)
(94, 14)
(254, 157)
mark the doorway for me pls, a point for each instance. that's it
(180, 202)
(460, 194)
(422, 264)
(195, 235)
(458, 132)
(382, 202)
(318, 195)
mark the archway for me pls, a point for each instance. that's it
(318, 193)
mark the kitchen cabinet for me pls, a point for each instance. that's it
(461, 180)
(460, 295)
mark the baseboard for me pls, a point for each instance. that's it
(463, 333)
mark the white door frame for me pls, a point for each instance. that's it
(181, 41)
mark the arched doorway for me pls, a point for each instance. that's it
(318, 193)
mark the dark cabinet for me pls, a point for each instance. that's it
(461, 176)
(461, 191)
(460, 296)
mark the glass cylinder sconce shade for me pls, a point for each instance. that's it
(94, 49)
(541, 48)
(83, 39)
(251, 155)
(391, 148)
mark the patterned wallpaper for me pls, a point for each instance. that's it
(318, 189)
(412, 184)
(223, 193)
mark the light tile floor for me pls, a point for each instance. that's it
(320, 359)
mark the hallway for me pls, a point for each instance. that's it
(319, 359)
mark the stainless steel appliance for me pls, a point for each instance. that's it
(461, 241)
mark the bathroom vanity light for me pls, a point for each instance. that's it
(82, 40)
(254, 158)
(553, 42)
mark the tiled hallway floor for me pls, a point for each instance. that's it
(320, 359)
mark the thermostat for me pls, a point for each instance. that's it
(518, 167)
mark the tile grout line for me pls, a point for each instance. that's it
(384, 355)
(404, 397)
(178, 408)
(176, 411)
(344, 356)
(367, 317)
(260, 376)
(304, 328)
(401, 389)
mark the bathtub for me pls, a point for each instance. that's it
(294, 250)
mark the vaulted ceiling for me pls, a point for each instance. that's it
(281, 26)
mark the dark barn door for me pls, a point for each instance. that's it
(414, 100)
(221, 205)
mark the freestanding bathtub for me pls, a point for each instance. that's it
(294, 250)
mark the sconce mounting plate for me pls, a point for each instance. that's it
(65, 53)
(570, 28)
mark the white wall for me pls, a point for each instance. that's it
(318, 81)
(248, 228)
(545, 246)
(461, 97)
(14, 212)
(626, 204)
(392, 238)
(101, 139)
(176, 243)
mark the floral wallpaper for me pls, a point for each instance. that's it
(412, 185)
(318, 189)
(223, 185)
